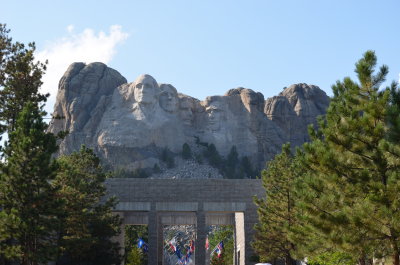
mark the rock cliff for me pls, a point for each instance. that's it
(129, 125)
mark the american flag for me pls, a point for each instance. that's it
(220, 248)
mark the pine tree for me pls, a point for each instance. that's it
(9, 224)
(88, 223)
(232, 162)
(213, 156)
(277, 212)
(134, 257)
(186, 151)
(26, 192)
(351, 188)
(20, 79)
(247, 167)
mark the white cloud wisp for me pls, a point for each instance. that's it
(86, 46)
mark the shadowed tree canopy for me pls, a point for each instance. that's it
(27, 197)
(20, 79)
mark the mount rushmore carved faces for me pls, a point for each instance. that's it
(168, 98)
(146, 90)
(215, 110)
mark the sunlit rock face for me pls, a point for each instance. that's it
(129, 124)
(295, 108)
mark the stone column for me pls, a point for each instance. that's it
(201, 236)
(153, 237)
(235, 260)
(240, 238)
(160, 241)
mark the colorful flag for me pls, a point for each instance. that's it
(178, 253)
(220, 248)
(140, 243)
(191, 246)
(172, 244)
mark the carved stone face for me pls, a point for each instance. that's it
(145, 89)
(168, 98)
(185, 111)
(215, 114)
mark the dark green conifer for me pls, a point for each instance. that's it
(186, 151)
(88, 223)
(20, 79)
(232, 163)
(351, 188)
(27, 195)
(277, 212)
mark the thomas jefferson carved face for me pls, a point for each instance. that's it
(145, 90)
(168, 98)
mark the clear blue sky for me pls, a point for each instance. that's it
(207, 47)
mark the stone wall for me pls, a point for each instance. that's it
(192, 201)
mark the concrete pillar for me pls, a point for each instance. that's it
(160, 241)
(240, 238)
(235, 257)
(153, 238)
(201, 236)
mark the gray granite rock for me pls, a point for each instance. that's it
(83, 94)
(130, 124)
(295, 108)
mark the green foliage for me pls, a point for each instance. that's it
(156, 168)
(246, 168)
(27, 196)
(132, 234)
(167, 158)
(137, 173)
(350, 191)
(277, 212)
(232, 162)
(331, 258)
(198, 158)
(186, 151)
(9, 224)
(223, 233)
(215, 260)
(135, 257)
(214, 158)
(88, 224)
(48, 208)
(20, 79)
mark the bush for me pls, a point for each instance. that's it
(186, 151)
(214, 158)
(167, 158)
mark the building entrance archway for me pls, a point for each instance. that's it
(199, 202)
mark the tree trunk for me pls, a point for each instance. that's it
(396, 260)
(362, 261)
(289, 260)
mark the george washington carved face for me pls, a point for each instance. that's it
(145, 89)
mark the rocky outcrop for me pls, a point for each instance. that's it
(296, 107)
(83, 94)
(130, 124)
